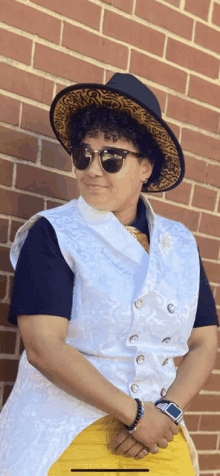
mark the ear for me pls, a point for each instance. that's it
(147, 167)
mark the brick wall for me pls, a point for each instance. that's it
(171, 45)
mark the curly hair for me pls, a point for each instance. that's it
(116, 125)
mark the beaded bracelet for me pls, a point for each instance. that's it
(140, 414)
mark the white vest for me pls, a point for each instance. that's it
(132, 313)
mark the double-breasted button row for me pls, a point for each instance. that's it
(163, 392)
(171, 308)
(134, 388)
(165, 362)
(166, 340)
(138, 303)
(133, 338)
(140, 359)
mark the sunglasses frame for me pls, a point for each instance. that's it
(104, 149)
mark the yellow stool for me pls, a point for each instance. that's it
(89, 450)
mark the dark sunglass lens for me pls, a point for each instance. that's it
(81, 157)
(112, 161)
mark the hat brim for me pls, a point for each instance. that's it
(71, 99)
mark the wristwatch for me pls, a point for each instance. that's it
(171, 409)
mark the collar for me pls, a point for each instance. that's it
(144, 221)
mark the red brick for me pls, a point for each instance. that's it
(66, 66)
(15, 46)
(54, 155)
(195, 169)
(209, 423)
(125, 5)
(6, 171)
(3, 230)
(207, 37)
(200, 144)
(157, 71)
(84, 11)
(191, 113)
(54, 203)
(8, 370)
(180, 194)
(213, 382)
(18, 144)
(174, 128)
(191, 422)
(204, 403)
(3, 282)
(165, 17)
(29, 19)
(15, 225)
(4, 259)
(94, 46)
(204, 198)
(192, 58)
(209, 462)
(204, 91)
(36, 120)
(213, 175)
(25, 84)
(217, 296)
(175, 3)
(188, 217)
(133, 33)
(200, 8)
(210, 225)
(216, 14)
(9, 108)
(7, 342)
(21, 205)
(7, 391)
(51, 184)
(205, 442)
(209, 248)
(212, 271)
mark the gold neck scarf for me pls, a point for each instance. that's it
(141, 237)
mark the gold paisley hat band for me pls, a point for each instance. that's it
(127, 94)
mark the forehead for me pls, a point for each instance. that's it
(102, 141)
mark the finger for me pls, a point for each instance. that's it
(134, 451)
(168, 436)
(122, 436)
(142, 453)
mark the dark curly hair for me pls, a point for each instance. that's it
(116, 125)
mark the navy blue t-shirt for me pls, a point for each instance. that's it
(43, 281)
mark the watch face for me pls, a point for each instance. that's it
(173, 411)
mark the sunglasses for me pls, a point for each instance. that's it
(110, 158)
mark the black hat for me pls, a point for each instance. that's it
(127, 94)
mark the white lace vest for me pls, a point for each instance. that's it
(132, 313)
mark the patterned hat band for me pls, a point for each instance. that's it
(125, 93)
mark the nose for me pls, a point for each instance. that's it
(95, 167)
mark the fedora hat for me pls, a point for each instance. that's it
(127, 94)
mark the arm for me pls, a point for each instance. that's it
(64, 366)
(195, 366)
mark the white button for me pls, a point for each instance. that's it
(134, 388)
(133, 338)
(140, 359)
(171, 308)
(138, 303)
(163, 392)
(167, 339)
(165, 362)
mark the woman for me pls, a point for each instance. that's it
(93, 382)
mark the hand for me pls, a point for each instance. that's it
(154, 429)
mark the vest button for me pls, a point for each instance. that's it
(163, 392)
(134, 388)
(171, 308)
(140, 359)
(167, 339)
(138, 303)
(133, 339)
(165, 362)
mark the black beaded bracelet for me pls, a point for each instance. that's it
(140, 413)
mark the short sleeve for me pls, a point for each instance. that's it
(206, 314)
(43, 281)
